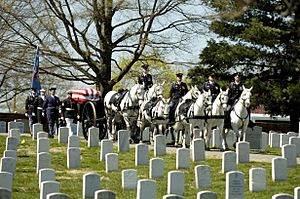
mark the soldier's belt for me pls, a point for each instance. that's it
(69, 109)
(40, 108)
(51, 107)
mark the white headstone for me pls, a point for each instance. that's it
(176, 182)
(159, 145)
(73, 129)
(73, 141)
(198, 150)
(172, 196)
(141, 154)
(293, 134)
(8, 164)
(43, 161)
(296, 142)
(228, 161)
(101, 194)
(206, 195)
(257, 179)
(106, 147)
(202, 176)
(46, 175)
(297, 192)
(10, 153)
(43, 145)
(183, 158)
(243, 151)
(231, 138)
(15, 133)
(146, 134)
(73, 157)
(57, 196)
(279, 169)
(91, 183)
(129, 179)
(282, 196)
(196, 133)
(156, 169)
(3, 127)
(254, 137)
(6, 180)
(284, 139)
(274, 140)
(42, 134)
(21, 126)
(5, 193)
(35, 129)
(146, 189)
(123, 140)
(79, 129)
(216, 138)
(48, 187)
(169, 136)
(63, 134)
(111, 162)
(93, 137)
(12, 143)
(12, 125)
(264, 140)
(235, 187)
(289, 152)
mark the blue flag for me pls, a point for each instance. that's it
(35, 76)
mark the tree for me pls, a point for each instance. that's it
(261, 38)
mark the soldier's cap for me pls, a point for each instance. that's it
(211, 75)
(179, 74)
(69, 92)
(42, 90)
(52, 88)
(238, 74)
(33, 88)
(145, 66)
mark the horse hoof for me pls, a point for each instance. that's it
(176, 144)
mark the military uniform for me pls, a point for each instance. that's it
(31, 110)
(51, 105)
(234, 92)
(69, 111)
(213, 87)
(178, 90)
(40, 113)
(146, 80)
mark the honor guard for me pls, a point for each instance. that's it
(30, 109)
(178, 90)
(51, 105)
(145, 78)
(212, 85)
(40, 113)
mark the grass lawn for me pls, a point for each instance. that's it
(25, 183)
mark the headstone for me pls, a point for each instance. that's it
(141, 154)
(57, 196)
(73, 157)
(43, 145)
(172, 196)
(3, 127)
(129, 179)
(105, 194)
(10, 153)
(282, 196)
(5, 193)
(42, 134)
(35, 129)
(6, 180)
(198, 150)
(73, 141)
(264, 140)
(73, 129)
(216, 139)
(8, 165)
(156, 169)
(206, 195)
(111, 162)
(146, 134)
(202, 176)
(243, 150)
(169, 136)
(293, 134)
(297, 192)
(284, 139)
(123, 141)
(12, 143)
(91, 183)
(234, 185)
(176, 182)
(46, 175)
(296, 142)
(279, 169)
(63, 134)
(106, 147)
(146, 189)
(274, 140)
(228, 161)
(183, 158)
(12, 125)
(21, 126)
(159, 145)
(289, 152)
(93, 137)
(16, 133)
(48, 187)
(257, 179)
(43, 161)
(231, 138)
(79, 129)
(196, 133)
(254, 137)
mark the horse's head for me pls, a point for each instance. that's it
(245, 96)
(162, 108)
(207, 100)
(137, 93)
(223, 97)
(166, 108)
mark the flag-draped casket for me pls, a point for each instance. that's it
(84, 95)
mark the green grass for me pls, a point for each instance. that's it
(25, 183)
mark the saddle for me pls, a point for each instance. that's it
(184, 107)
(117, 98)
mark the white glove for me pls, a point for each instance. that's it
(26, 115)
(43, 114)
(62, 118)
(33, 114)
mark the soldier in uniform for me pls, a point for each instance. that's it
(178, 90)
(212, 85)
(30, 109)
(39, 101)
(51, 105)
(69, 111)
(145, 78)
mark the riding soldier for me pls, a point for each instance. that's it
(212, 85)
(30, 109)
(39, 101)
(145, 78)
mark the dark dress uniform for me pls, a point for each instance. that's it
(41, 118)
(69, 108)
(234, 92)
(51, 105)
(145, 79)
(31, 110)
(213, 87)
(178, 90)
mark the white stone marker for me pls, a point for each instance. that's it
(16, 133)
(206, 195)
(275, 140)
(284, 139)
(73, 157)
(123, 141)
(183, 158)
(5, 193)
(8, 164)
(231, 138)
(235, 187)
(202, 176)
(63, 134)
(159, 145)
(3, 127)
(79, 129)
(43, 161)
(93, 137)
(296, 142)
(73, 141)
(264, 140)
(288, 151)
(216, 138)
(279, 169)
(91, 183)
(10, 153)
(243, 150)
(297, 192)
(12, 125)
(57, 196)
(146, 189)
(141, 154)
(106, 147)
(253, 136)
(282, 196)
(129, 179)
(46, 175)
(6, 180)
(172, 196)
(111, 162)
(146, 134)
(43, 145)
(12, 143)
(198, 150)
(228, 161)
(21, 126)
(42, 134)
(293, 134)
(257, 179)
(36, 128)
(196, 133)
(156, 169)
(176, 182)
(48, 187)
(104, 194)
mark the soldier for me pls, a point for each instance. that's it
(145, 78)
(30, 109)
(39, 101)
(212, 85)
(69, 111)
(178, 90)
(51, 105)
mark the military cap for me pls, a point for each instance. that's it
(145, 66)
(42, 90)
(52, 88)
(238, 74)
(179, 74)
(211, 75)
(32, 88)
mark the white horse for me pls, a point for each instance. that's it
(239, 117)
(216, 118)
(156, 90)
(128, 111)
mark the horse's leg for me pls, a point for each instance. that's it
(222, 139)
(224, 135)
(142, 127)
(207, 139)
(187, 137)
